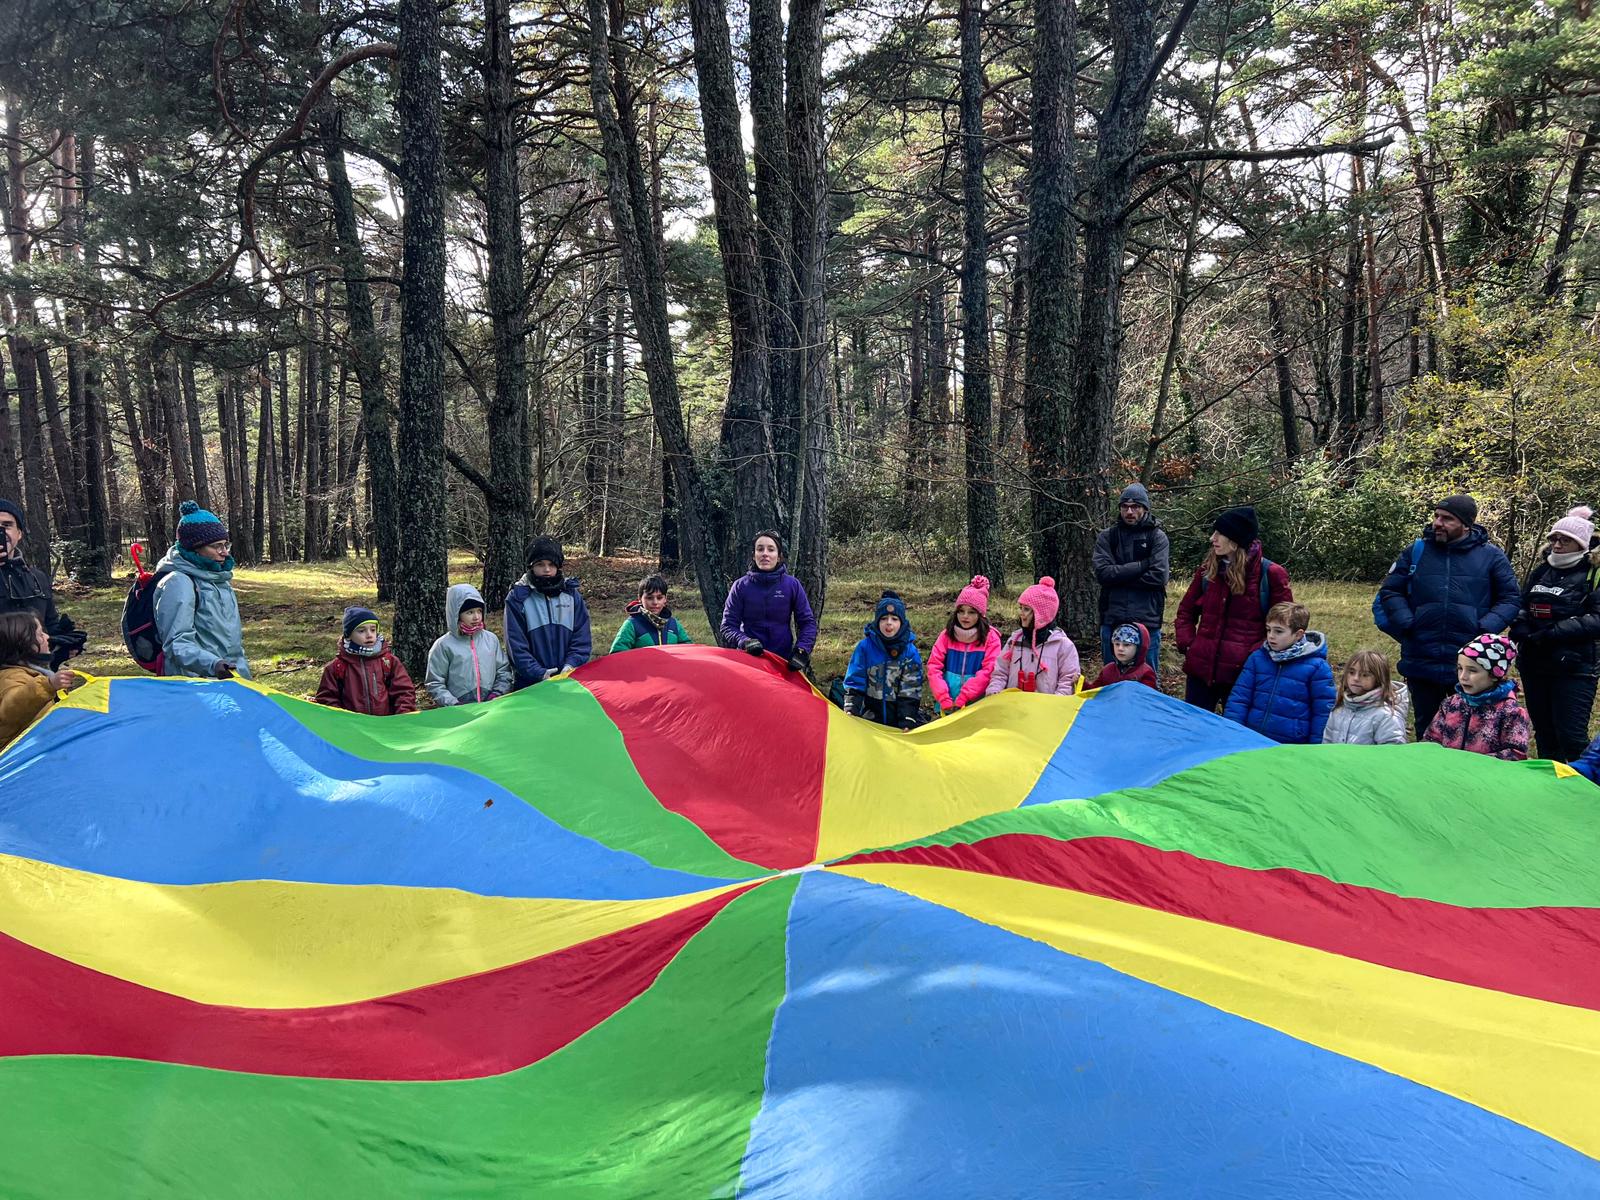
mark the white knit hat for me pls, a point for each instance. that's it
(1578, 525)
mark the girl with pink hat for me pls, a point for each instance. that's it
(1038, 657)
(1557, 631)
(964, 655)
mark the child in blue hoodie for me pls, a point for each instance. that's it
(1286, 689)
(547, 622)
(884, 681)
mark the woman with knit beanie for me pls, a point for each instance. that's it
(1038, 657)
(1557, 632)
(197, 614)
(1222, 618)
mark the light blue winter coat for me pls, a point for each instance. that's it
(197, 616)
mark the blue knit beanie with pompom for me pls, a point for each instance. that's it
(197, 527)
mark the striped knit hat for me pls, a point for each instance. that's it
(197, 527)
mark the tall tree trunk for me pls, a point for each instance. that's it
(774, 224)
(197, 437)
(148, 460)
(421, 563)
(366, 349)
(1278, 329)
(508, 456)
(100, 544)
(986, 552)
(168, 388)
(1566, 229)
(809, 239)
(641, 261)
(247, 547)
(232, 485)
(10, 474)
(267, 452)
(24, 358)
(1052, 285)
(746, 433)
(1349, 430)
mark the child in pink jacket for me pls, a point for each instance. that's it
(1484, 716)
(1038, 657)
(963, 657)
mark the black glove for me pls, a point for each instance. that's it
(908, 723)
(855, 703)
(67, 643)
(800, 660)
(752, 647)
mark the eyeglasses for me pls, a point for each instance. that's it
(223, 546)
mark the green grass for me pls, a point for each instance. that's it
(292, 614)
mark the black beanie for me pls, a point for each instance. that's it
(1462, 508)
(546, 547)
(1239, 526)
(15, 509)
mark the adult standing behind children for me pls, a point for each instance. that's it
(547, 622)
(1222, 618)
(196, 611)
(27, 589)
(767, 610)
(1443, 591)
(1132, 561)
(1556, 633)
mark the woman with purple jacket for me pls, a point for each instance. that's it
(767, 609)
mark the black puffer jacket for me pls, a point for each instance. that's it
(1557, 630)
(1131, 564)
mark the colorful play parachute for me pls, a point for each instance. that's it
(676, 927)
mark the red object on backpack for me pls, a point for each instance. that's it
(139, 633)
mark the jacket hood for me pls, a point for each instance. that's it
(178, 562)
(767, 578)
(1315, 646)
(455, 599)
(1144, 647)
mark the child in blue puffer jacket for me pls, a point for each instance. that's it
(884, 680)
(1286, 690)
(547, 622)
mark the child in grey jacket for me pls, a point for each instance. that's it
(1372, 706)
(468, 664)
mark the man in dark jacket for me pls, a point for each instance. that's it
(1461, 586)
(27, 589)
(1132, 563)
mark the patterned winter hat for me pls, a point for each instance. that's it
(1128, 635)
(976, 594)
(1494, 652)
(1578, 525)
(197, 527)
(1042, 598)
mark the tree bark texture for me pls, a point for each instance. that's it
(986, 553)
(421, 561)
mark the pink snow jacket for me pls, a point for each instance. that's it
(1052, 666)
(958, 672)
(1498, 729)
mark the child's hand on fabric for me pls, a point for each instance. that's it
(223, 670)
(752, 647)
(561, 674)
(64, 681)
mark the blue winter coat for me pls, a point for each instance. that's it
(887, 686)
(1588, 764)
(545, 634)
(1459, 590)
(769, 606)
(1287, 701)
(197, 616)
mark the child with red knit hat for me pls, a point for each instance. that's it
(963, 657)
(1039, 657)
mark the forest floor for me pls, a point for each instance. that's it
(292, 614)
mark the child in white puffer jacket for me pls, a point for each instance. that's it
(1372, 706)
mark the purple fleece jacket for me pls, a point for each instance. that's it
(768, 606)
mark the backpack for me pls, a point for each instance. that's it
(139, 633)
(1380, 616)
(1266, 585)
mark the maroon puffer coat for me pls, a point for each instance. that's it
(377, 685)
(1217, 630)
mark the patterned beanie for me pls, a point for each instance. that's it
(976, 594)
(1128, 635)
(1578, 525)
(1042, 598)
(197, 527)
(1494, 652)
